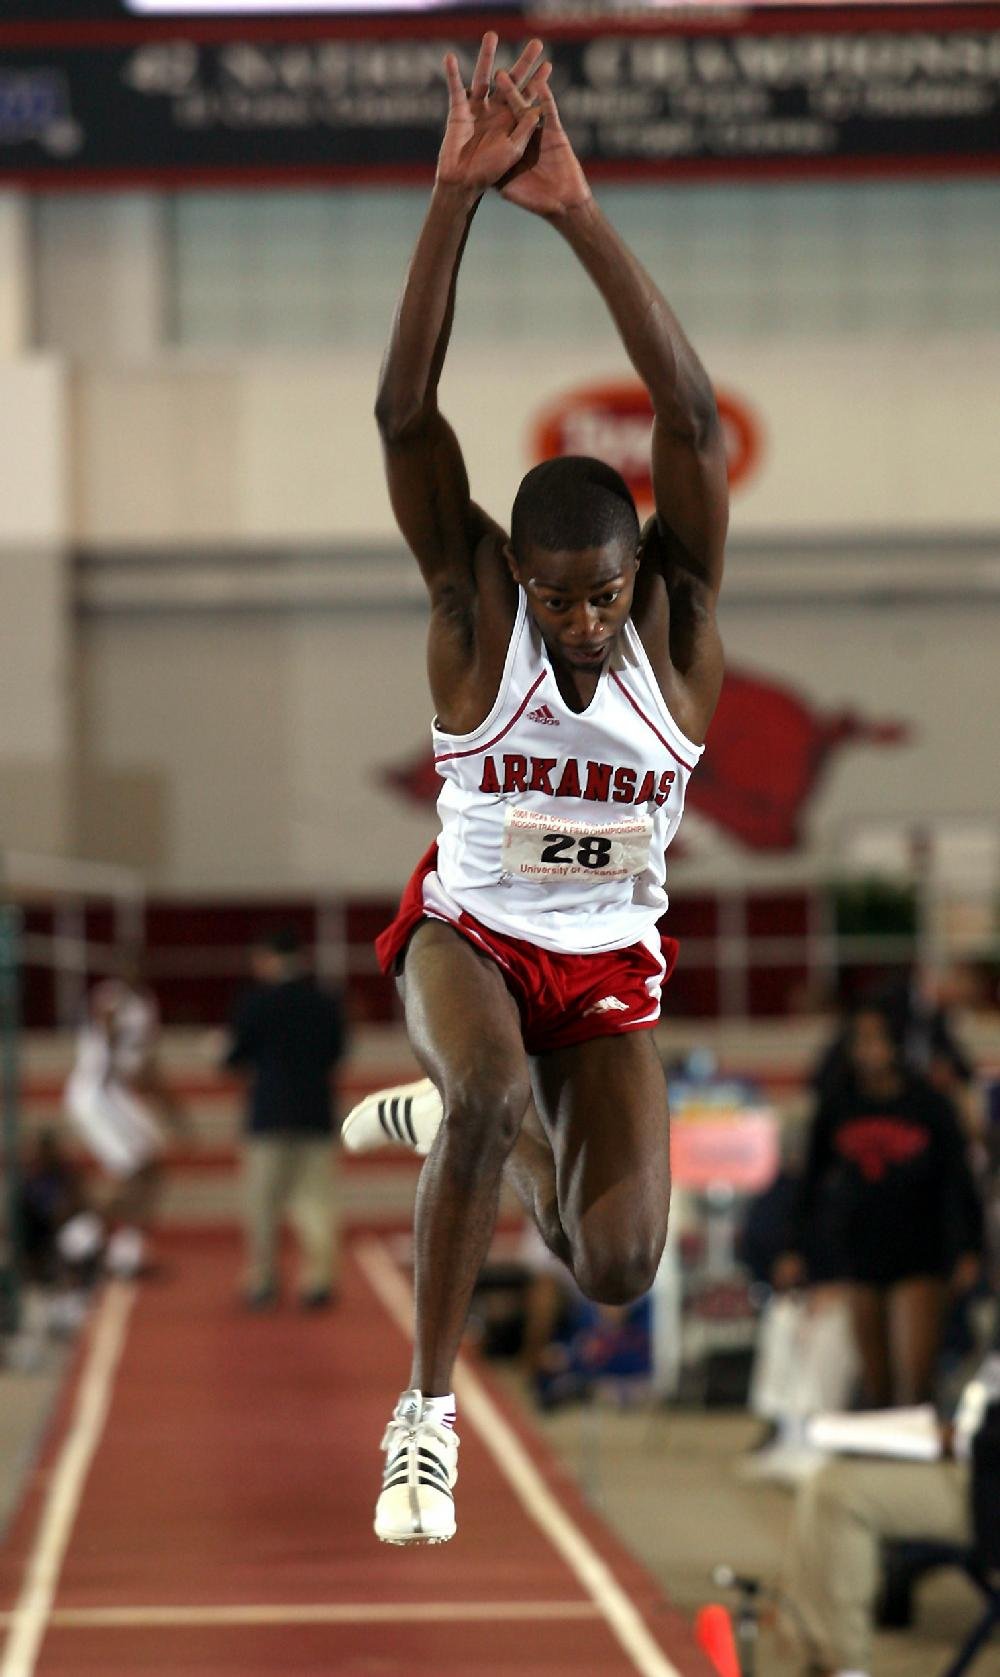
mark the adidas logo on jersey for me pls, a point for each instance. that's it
(543, 714)
(607, 1004)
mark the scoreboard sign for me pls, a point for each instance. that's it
(117, 97)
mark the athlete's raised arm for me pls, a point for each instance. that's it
(428, 484)
(688, 455)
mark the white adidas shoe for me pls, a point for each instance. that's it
(407, 1116)
(421, 1465)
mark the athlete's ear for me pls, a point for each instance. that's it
(508, 553)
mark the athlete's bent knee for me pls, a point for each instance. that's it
(620, 1275)
(483, 1113)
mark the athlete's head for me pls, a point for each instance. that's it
(574, 550)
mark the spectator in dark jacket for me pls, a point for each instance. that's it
(887, 1152)
(289, 1034)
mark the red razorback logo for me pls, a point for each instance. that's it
(876, 1144)
(768, 747)
(612, 422)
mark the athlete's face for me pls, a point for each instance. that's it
(579, 600)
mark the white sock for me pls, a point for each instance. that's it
(851, 1673)
(440, 1410)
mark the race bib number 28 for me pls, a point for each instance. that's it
(549, 851)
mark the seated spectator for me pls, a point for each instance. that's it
(845, 1512)
(888, 1148)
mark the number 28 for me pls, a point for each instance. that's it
(590, 852)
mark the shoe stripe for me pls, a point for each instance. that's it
(423, 1484)
(408, 1121)
(394, 1115)
(434, 1469)
(383, 1120)
(431, 1459)
(426, 1463)
(434, 1481)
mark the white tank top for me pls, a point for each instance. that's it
(135, 1026)
(555, 823)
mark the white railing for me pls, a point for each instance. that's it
(71, 885)
(951, 867)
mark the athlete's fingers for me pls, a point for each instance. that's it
(538, 81)
(509, 93)
(524, 67)
(456, 87)
(550, 110)
(524, 128)
(482, 75)
(517, 101)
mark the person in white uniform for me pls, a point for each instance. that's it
(574, 667)
(117, 1102)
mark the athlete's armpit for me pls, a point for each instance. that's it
(694, 629)
(472, 617)
(687, 639)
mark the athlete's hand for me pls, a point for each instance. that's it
(549, 178)
(486, 137)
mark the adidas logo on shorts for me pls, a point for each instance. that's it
(607, 1004)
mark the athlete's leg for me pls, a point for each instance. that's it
(604, 1107)
(464, 1027)
(531, 1172)
(410, 1115)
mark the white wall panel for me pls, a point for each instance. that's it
(269, 739)
(102, 274)
(893, 435)
(35, 643)
(33, 451)
(15, 274)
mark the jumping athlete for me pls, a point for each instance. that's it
(574, 666)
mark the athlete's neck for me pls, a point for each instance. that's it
(577, 687)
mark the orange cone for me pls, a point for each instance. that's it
(713, 1631)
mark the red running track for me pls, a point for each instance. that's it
(213, 1518)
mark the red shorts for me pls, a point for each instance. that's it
(563, 999)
